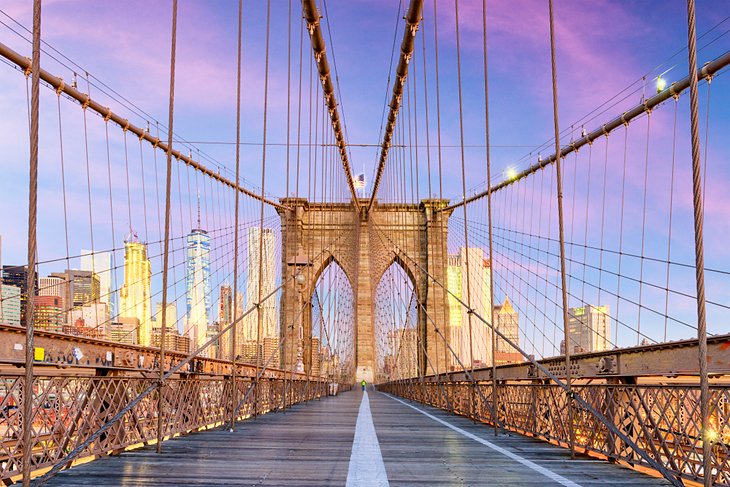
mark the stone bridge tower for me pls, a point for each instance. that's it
(413, 236)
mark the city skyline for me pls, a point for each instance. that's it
(89, 295)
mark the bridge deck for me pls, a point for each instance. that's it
(313, 443)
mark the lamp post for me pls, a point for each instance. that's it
(297, 265)
(300, 280)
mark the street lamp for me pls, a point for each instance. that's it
(297, 264)
(299, 279)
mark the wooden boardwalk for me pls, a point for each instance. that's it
(311, 445)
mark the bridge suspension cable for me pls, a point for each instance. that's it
(412, 18)
(675, 89)
(566, 301)
(311, 16)
(85, 100)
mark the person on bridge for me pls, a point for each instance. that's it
(363, 383)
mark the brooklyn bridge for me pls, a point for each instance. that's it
(375, 243)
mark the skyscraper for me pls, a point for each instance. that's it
(53, 286)
(197, 280)
(78, 289)
(225, 318)
(211, 332)
(402, 360)
(93, 316)
(225, 304)
(170, 315)
(463, 341)
(240, 328)
(48, 312)
(17, 276)
(134, 297)
(507, 322)
(100, 263)
(125, 330)
(589, 328)
(267, 244)
(10, 309)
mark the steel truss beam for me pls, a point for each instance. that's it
(664, 360)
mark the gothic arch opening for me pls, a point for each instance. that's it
(396, 311)
(328, 342)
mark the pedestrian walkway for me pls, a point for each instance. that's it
(357, 440)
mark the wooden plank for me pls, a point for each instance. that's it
(421, 451)
(311, 444)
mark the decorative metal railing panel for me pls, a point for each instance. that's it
(663, 420)
(67, 410)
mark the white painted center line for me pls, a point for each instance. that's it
(532, 465)
(366, 462)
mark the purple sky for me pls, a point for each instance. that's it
(602, 47)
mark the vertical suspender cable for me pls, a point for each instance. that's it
(286, 192)
(234, 330)
(566, 330)
(463, 194)
(259, 309)
(412, 18)
(489, 215)
(166, 252)
(32, 246)
(699, 244)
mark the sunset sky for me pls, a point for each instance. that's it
(604, 51)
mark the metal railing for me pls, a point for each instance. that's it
(664, 420)
(69, 409)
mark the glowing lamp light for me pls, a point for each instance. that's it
(661, 84)
(511, 173)
(711, 435)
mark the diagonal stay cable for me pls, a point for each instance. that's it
(576, 397)
(155, 385)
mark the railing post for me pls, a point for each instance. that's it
(612, 392)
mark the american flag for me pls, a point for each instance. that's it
(359, 181)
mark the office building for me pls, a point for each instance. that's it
(507, 322)
(589, 328)
(79, 328)
(265, 245)
(197, 281)
(124, 330)
(18, 276)
(79, 287)
(48, 314)
(54, 286)
(10, 310)
(100, 263)
(213, 350)
(170, 315)
(469, 267)
(94, 315)
(134, 297)
(225, 318)
(401, 362)
(174, 341)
